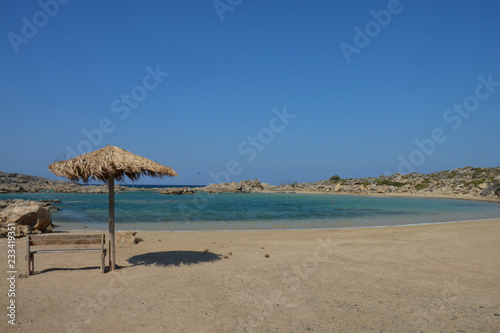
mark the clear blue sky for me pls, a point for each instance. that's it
(344, 102)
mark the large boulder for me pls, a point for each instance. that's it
(249, 186)
(492, 190)
(26, 216)
(128, 237)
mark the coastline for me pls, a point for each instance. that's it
(118, 229)
(405, 195)
(413, 278)
(467, 183)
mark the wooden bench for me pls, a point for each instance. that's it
(63, 239)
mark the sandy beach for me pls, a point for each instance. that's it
(424, 278)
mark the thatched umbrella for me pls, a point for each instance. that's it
(108, 164)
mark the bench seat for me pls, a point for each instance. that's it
(64, 239)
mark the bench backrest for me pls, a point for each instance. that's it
(35, 240)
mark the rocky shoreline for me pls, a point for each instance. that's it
(464, 183)
(19, 183)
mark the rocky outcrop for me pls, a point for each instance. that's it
(25, 216)
(246, 186)
(19, 183)
(178, 191)
(467, 181)
(491, 190)
(47, 204)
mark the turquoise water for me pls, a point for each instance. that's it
(229, 211)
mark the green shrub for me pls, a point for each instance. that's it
(336, 177)
(389, 182)
(479, 170)
(475, 182)
(419, 187)
(259, 185)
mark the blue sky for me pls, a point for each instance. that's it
(282, 91)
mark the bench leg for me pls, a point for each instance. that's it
(103, 259)
(28, 261)
(32, 263)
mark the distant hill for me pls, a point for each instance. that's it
(467, 183)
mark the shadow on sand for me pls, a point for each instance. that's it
(54, 269)
(173, 258)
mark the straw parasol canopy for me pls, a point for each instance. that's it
(109, 164)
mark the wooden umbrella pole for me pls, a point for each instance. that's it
(111, 223)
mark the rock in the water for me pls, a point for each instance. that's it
(178, 191)
(128, 237)
(52, 208)
(245, 186)
(50, 201)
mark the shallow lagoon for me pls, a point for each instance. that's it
(147, 210)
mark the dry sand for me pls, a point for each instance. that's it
(426, 278)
